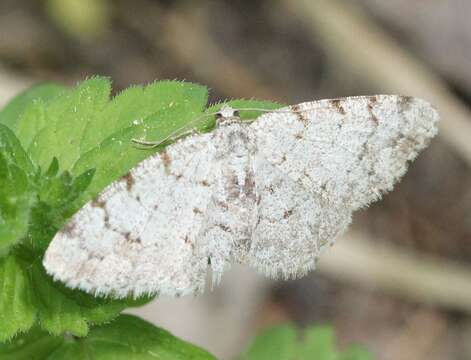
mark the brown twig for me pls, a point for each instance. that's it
(184, 38)
(420, 278)
(421, 334)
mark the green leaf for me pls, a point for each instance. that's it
(13, 151)
(128, 337)
(16, 198)
(317, 342)
(131, 337)
(17, 310)
(10, 114)
(80, 120)
(276, 343)
(34, 345)
(15, 205)
(56, 202)
(135, 104)
(66, 119)
(64, 310)
(31, 122)
(53, 168)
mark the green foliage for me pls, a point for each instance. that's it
(15, 196)
(15, 204)
(66, 119)
(33, 345)
(56, 202)
(128, 337)
(13, 152)
(283, 343)
(17, 310)
(12, 112)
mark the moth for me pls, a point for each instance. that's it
(274, 193)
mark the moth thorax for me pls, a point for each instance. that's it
(227, 116)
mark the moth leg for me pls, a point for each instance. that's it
(144, 144)
(177, 134)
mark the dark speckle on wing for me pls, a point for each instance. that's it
(129, 180)
(337, 103)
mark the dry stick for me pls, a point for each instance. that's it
(361, 45)
(428, 280)
(187, 40)
(412, 342)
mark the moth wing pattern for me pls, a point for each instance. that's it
(350, 149)
(319, 161)
(293, 225)
(139, 235)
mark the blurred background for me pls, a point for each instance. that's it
(400, 280)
